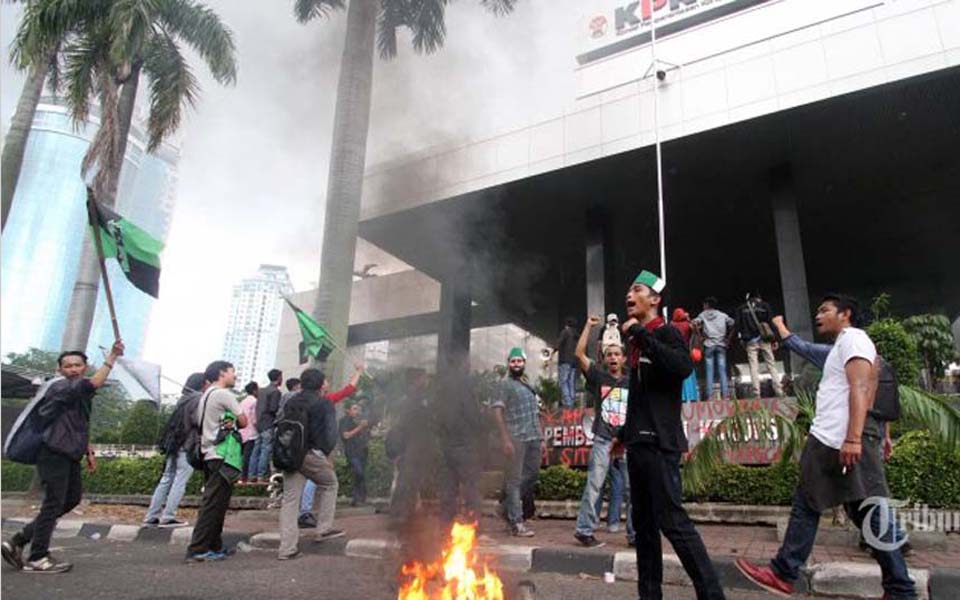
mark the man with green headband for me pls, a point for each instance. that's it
(659, 362)
(517, 411)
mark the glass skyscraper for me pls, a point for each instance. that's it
(44, 234)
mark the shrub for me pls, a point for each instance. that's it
(925, 471)
(15, 477)
(898, 347)
(379, 472)
(738, 484)
(560, 482)
(934, 342)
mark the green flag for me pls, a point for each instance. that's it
(316, 340)
(137, 252)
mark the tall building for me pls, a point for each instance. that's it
(254, 322)
(44, 234)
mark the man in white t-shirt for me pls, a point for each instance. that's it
(206, 543)
(829, 471)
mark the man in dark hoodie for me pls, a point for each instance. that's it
(268, 403)
(653, 433)
(319, 419)
(65, 415)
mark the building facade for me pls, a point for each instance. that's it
(253, 328)
(44, 235)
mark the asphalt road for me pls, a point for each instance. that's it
(106, 569)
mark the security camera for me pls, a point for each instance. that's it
(661, 74)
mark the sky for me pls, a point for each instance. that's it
(254, 156)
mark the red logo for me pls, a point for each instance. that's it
(598, 27)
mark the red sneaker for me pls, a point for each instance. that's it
(765, 578)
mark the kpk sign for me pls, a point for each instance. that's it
(627, 24)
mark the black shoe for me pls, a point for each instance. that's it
(151, 522)
(307, 521)
(12, 554)
(173, 523)
(47, 564)
(589, 541)
(330, 534)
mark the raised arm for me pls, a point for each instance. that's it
(815, 354)
(581, 351)
(100, 377)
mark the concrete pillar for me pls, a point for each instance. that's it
(595, 268)
(793, 272)
(453, 340)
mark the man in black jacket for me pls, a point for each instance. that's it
(268, 404)
(319, 419)
(654, 437)
(65, 410)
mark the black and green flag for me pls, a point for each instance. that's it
(136, 250)
(316, 340)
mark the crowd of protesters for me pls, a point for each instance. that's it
(641, 376)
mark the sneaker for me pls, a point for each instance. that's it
(221, 555)
(200, 557)
(172, 523)
(47, 564)
(521, 530)
(589, 541)
(296, 554)
(330, 534)
(765, 578)
(307, 521)
(151, 522)
(12, 554)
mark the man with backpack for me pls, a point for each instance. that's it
(306, 434)
(758, 338)
(268, 404)
(61, 417)
(176, 468)
(218, 415)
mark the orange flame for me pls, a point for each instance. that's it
(456, 575)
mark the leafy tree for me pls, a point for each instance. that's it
(142, 424)
(898, 348)
(934, 341)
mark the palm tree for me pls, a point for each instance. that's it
(366, 20)
(109, 45)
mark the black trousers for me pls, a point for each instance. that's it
(461, 474)
(62, 489)
(217, 489)
(247, 452)
(655, 492)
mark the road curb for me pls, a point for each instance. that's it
(851, 580)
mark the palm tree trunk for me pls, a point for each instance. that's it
(16, 142)
(345, 179)
(83, 302)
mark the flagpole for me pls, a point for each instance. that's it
(95, 225)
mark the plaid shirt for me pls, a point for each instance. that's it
(521, 412)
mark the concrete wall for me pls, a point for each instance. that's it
(776, 56)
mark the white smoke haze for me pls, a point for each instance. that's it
(252, 174)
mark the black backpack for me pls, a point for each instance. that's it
(193, 445)
(289, 440)
(179, 425)
(886, 405)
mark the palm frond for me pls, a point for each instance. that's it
(202, 29)
(931, 412)
(103, 155)
(308, 10)
(427, 21)
(54, 71)
(172, 86)
(499, 7)
(131, 22)
(390, 17)
(47, 23)
(82, 57)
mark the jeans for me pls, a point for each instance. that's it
(589, 515)
(358, 471)
(461, 467)
(261, 455)
(802, 532)
(318, 470)
(718, 355)
(619, 485)
(217, 489)
(521, 477)
(60, 478)
(657, 508)
(766, 350)
(306, 497)
(567, 380)
(170, 489)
